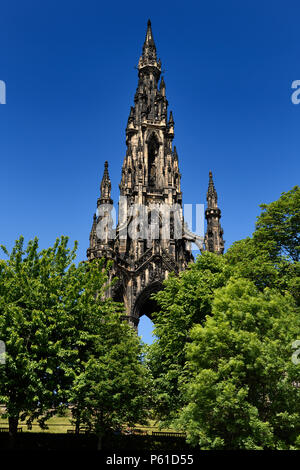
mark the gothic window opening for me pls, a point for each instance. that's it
(153, 146)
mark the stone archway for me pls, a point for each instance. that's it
(144, 305)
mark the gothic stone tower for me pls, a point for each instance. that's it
(150, 179)
(214, 234)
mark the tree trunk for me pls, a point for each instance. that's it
(100, 428)
(13, 422)
(99, 444)
(77, 423)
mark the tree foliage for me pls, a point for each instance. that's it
(63, 338)
(33, 288)
(184, 301)
(222, 359)
(113, 388)
(277, 227)
(242, 393)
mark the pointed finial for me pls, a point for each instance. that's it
(162, 87)
(149, 35)
(211, 185)
(214, 234)
(131, 115)
(105, 173)
(149, 49)
(171, 119)
(105, 187)
(211, 181)
(175, 153)
(149, 55)
(211, 197)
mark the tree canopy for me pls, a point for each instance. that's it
(66, 343)
(277, 227)
(241, 393)
(225, 327)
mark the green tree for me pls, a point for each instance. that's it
(59, 330)
(267, 260)
(253, 262)
(185, 300)
(32, 286)
(277, 227)
(243, 393)
(113, 388)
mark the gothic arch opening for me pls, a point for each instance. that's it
(144, 305)
(153, 146)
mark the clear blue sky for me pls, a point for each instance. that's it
(69, 71)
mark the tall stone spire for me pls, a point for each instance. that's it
(149, 55)
(148, 64)
(150, 182)
(150, 172)
(212, 197)
(214, 234)
(101, 239)
(105, 187)
(150, 179)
